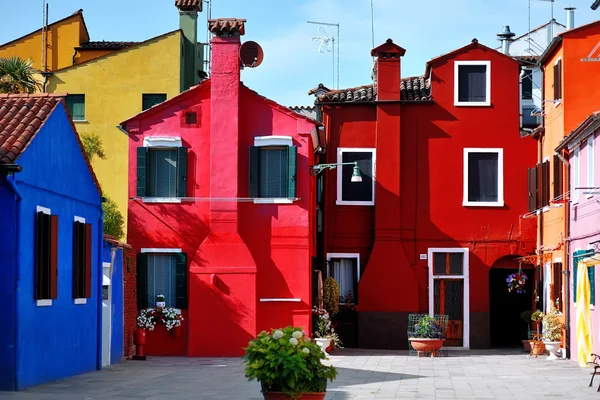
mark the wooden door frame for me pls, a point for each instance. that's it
(464, 277)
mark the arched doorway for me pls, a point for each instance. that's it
(507, 329)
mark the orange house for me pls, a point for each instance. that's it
(569, 97)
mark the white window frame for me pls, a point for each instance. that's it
(590, 166)
(345, 255)
(466, 202)
(267, 141)
(340, 152)
(43, 302)
(576, 176)
(464, 277)
(488, 83)
(169, 142)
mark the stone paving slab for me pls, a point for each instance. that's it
(363, 374)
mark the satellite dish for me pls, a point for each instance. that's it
(251, 54)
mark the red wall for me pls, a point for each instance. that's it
(238, 252)
(432, 138)
(129, 301)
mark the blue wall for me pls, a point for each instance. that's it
(116, 345)
(60, 340)
(7, 285)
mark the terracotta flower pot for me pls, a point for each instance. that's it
(537, 348)
(139, 337)
(527, 345)
(177, 331)
(425, 345)
(303, 396)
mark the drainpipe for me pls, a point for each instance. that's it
(100, 241)
(10, 179)
(73, 58)
(46, 75)
(521, 76)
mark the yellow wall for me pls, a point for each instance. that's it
(113, 86)
(63, 37)
(84, 55)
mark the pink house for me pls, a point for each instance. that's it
(221, 209)
(582, 149)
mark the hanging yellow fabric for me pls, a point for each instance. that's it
(584, 323)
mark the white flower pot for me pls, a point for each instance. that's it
(160, 304)
(323, 344)
(552, 347)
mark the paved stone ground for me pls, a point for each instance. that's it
(363, 374)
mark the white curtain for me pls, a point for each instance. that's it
(344, 275)
(547, 292)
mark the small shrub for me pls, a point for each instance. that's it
(428, 328)
(331, 296)
(114, 222)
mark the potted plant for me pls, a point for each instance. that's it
(331, 296)
(160, 301)
(427, 337)
(552, 332)
(288, 365)
(325, 335)
(172, 320)
(526, 317)
(516, 282)
(537, 345)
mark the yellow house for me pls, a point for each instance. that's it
(108, 82)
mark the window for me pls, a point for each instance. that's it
(273, 168)
(76, 106)
(575, 185)
(539, 186)
(82, 259)
(152, 99)
(483, 177)
(472, 83)
(344, 268)
(46, 256)
(162, 171)
(557, 282)
(448, 263)
(590, 165)
(558, 80)
(527, 85)
(191, 118)
(356, 193)
(579, 255)
(162, 273)
(558, 176)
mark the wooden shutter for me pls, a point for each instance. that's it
(142, 280)
(254, 172)
(559, 79)
(150, 100)
(41, 254)
(558, 176)
(292, 157)
(181, 281)
(88, 262)
(532, 189)
(592, 277)
(53, 279)
(545, 183)
(538, 185)
(77, 253)
(142, 171)
(182, 155)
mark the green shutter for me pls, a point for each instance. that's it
(577, 256)
(76, 106)
(142, 171)
(142, 280)
(150, 100)
(292, 156)
(592, 278)
(254, 172)
(181, 282)
(182, 154)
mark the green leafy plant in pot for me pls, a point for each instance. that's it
(427, 337)
(288, 365)
(552, 332)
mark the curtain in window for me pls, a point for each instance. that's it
(273, 172)
(162, 278)
(344, 273)
(163, 172)
(472, 83)
(483, 177)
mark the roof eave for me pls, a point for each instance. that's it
(554, 44)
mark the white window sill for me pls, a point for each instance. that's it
(354, 203)
(80, 301)
(274, 201)
(43, 303)
(483, 203)
(80, 121)
(161, 200)
(545, 209)
(557, 102)
(472, 104)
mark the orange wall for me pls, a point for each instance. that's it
(70, 32)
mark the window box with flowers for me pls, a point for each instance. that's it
(169, 316)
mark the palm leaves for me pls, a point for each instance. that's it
(16, 76)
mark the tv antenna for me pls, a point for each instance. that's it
(327, 43)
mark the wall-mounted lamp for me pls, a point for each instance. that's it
(318, 168)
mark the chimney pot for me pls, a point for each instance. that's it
(570, 17)
(505, 37)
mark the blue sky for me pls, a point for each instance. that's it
(292, 64)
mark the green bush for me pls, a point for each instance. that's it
(331, 296)
(113, 219)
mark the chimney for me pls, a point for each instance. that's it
(191, 58)
(387, 70)
(570, 17)
(505, 37)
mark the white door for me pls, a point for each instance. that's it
(106, 313)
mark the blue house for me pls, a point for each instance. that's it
(51, 245)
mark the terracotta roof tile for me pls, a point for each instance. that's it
(227, 25)
(104, 45)
(527, 59)
(415, 88)
(189, 5)
(21, 117)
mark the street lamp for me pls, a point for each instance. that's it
(318, 168)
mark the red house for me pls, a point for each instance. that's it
(436, 224)
(220, 209)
